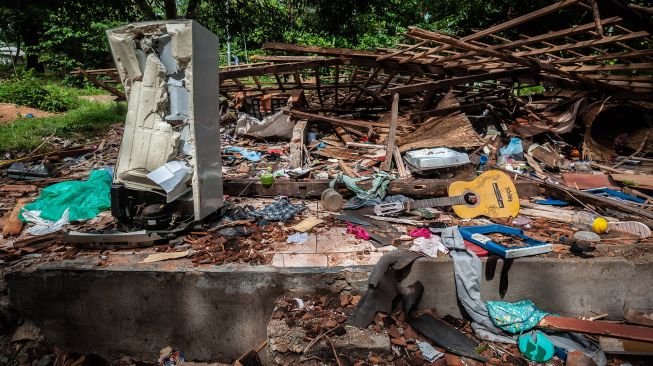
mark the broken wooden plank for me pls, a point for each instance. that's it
(346, 169)
(399, 161)
(328, 51)
(317, 84)
(296, 146)
(602, 328)
(503, 26)
(37, 243)
(459, 80)
(157, 257)
(625, 347)
(508, 57)
(607, 168)
(617, 67)
(14, 225)
(387, 163)
(333, 120)
(364, 145)
(276, 68)
(584, 44)
(307, 224)
(399, 52)
(540, 38)
(638, 180)
(18, 188)
(101, 84)
(574, 195)
(338, 153)
(342, 134)
(453, 130)
(441, 111)
(597, 18)
(639, 317)
(313, 188)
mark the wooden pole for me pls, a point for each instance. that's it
(387, 163)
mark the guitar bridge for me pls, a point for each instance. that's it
(497, 192)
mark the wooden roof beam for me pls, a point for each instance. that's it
(503, 26)
(449, 82)
(617, 67)
(278, 68)
(584, 44)
(532, 63)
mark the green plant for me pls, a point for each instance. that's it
(33, 92)
(90, 119)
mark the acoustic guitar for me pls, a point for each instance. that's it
(491, 194)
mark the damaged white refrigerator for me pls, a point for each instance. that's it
(169, 164)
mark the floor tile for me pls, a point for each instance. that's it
(277, 260)
(354, 259)
(305, 260)
(307, 247)
(337, 240)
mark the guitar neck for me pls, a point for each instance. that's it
(438, 202)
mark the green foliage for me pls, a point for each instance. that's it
(90, 119)
(69, 45)
(33, 92)
(535, 89)
(67, 34)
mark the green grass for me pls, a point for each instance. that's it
(86, 90)
(89, 119)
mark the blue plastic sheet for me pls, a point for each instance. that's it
(249, 155)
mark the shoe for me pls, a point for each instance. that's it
(631, 227)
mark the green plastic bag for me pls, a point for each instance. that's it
(84, 199)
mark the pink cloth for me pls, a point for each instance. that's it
(358, 231)
(421, 233)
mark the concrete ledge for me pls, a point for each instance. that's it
(216, 313)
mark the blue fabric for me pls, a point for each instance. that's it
(281, 210)
(249, 155)
(551, 202)
(514, 317)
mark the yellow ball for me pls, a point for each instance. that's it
(600, 225)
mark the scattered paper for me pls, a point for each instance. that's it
(297, 238)
(429, 353)
(429, 246)
(165, 256)
(307, 224)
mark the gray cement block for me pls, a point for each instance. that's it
(217, 313)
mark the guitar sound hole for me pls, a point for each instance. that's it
(471, 198)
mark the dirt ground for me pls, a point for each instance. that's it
(10, 112)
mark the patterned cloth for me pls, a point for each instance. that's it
(281, 210)
(515, 317)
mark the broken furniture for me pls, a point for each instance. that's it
(169, 160)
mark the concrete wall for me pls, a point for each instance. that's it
(218, 313)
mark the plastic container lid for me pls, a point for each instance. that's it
(587, 236)
(479, 251)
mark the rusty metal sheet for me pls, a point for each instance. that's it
(588, 181)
